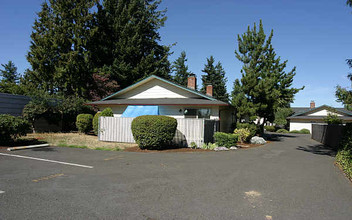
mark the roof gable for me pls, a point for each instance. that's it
(323, 111)
(156, 87)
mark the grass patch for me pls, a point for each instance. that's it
(77, 140)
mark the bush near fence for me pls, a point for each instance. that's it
(153, 131)
(344, 154)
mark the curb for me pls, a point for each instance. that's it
(27, 147)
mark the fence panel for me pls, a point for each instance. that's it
(330, 135)
(188, 130)
(115, 129)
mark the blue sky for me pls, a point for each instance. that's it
(312, 35)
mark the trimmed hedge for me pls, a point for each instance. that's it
(225, 139)
(96, 122)
(107, 113)
(270, 128)
(12, 127)
(153, 131)
(84, 122)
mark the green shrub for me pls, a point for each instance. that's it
(84, 122)
(153, 131)
(107, 113)
(96, 122)
(269, 128)
(295, 131)
(304, 131)
(193, 145)
(209, 146)
(225, 139)
(282, 130)
(12, 127)
(344, 155)
(253, 128)
(242, 133)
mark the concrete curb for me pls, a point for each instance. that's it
(27, 147)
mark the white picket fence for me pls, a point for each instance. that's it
(116, 129)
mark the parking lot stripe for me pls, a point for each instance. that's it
(48, 177)
(2, 191)
(51, 161)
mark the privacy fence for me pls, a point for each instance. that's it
(330, 135)
(198, 131)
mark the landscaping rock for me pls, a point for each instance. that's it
(257, 140)
(221, 148)
(233, 148)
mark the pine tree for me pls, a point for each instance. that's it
(344, 95)
(59, 52)
(128, 31)
(264, 85)
(215, 75)
(180, 69)
(9, 73)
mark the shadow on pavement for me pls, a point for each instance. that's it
(45, 149)
(318, 149)
(277, 136)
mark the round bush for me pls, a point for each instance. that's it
(153, 131)
(225, 139)
(270, 128)
(96, 122)
(282, 131)
(253, 128)
(84, 122)
(12, 127)
(304, 131)
(107, 113)
(243, 134)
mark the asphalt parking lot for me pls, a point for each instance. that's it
(294, 178)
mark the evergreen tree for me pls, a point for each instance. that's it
(264, 85)
(215, 75)
(180, 70)
(59, 52)
(10, 79)
(9, 73)
(128, 33)
(343, 95)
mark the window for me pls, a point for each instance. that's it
(197, 113)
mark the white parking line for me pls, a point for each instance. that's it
(2, 191)
(51, 161)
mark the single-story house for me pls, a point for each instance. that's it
(305, 117)
(157, 96)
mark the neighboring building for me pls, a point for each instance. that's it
(12, 104)
(305, 117)
(158, 96)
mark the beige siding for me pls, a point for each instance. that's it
(156, 89)
(300, 125)
(323, 112)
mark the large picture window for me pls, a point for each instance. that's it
(197, 113)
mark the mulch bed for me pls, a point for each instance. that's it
(187, 150)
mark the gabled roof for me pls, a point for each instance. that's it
(201, 99)
(161, 79)
(302, 112)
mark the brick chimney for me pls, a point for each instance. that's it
(209, 90)
(312, 104)
(192, 82)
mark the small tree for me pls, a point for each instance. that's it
(215, 75)
(281, 116)
(332, 119)
(180, 70)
